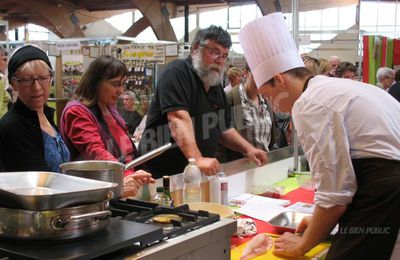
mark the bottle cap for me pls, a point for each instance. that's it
(160, 189)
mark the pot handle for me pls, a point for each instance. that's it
(150, 155)
(60, 222)
(98, 214)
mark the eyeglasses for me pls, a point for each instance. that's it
(117, 84)
(29, 82)
(217, 54)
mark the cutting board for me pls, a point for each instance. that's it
(316, 251)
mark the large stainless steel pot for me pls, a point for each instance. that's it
(108, 170)
(59, 224)
(97, 170)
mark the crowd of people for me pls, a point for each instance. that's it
(338, 121)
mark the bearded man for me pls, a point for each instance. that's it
(189, 109)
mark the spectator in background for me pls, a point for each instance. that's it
(384, 77)
(394, 90)
(5, 95)
(129, 114)
(252, 116)
(312, 64)
(92, 127)
(235, 77)
(346, 70)
(397, 75)
(139, 130)
(333, 63)
(29, 138)
(324, 67)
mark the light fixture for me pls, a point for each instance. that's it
(74, 19)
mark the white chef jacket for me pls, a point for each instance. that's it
(338, 120)
(341, 119)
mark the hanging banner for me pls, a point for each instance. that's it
(63, 46)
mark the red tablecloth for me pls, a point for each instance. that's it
(298, 195)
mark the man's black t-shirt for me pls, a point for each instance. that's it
(180, 88)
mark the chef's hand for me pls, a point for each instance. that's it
(208, 166)
(303, 224)
(288, 245)
(257, 155)
(133, 182)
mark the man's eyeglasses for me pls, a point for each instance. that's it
(29, 82)
(117, 84)
(217, 54)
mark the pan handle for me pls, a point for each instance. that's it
(150, 155)
(60, 222)
(98, 214)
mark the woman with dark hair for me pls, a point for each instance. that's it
(91, 125)
(346, 70)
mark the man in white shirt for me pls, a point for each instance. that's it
(350, 134)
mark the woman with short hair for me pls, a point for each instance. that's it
(29, 138)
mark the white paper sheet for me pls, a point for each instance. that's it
(302, 207)
(245, 198)
(259, 207)
(261, 211)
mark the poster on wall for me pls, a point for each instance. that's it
(72, 70)
(143, 52)
(141, 60)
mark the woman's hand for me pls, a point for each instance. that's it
(133, 182)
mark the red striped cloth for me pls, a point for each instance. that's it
(365, 58)
(396, 52)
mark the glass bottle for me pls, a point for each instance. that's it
(167, 191)
(160, 198)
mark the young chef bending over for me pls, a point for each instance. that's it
(350, 132)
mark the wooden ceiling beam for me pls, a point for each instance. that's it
(58, 17)
(151, 9)
(137, 27)
(270, 6)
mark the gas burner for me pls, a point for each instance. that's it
(144, 212)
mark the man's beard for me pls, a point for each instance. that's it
(211, 75)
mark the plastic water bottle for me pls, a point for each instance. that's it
(219, 189)
(191, 182)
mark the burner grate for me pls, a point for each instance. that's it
(143, 212)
